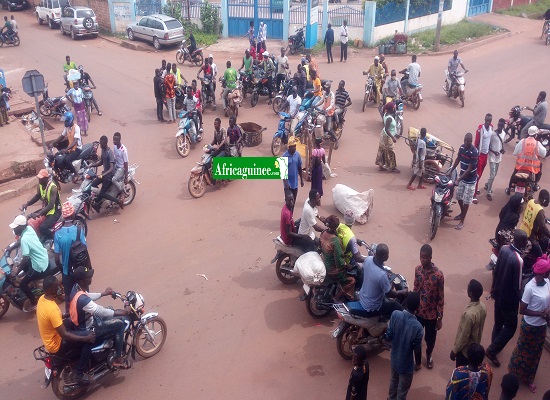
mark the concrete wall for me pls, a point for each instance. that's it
(101, 9)
(502, 4)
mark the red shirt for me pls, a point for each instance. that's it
(286, 219)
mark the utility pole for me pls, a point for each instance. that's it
(438, 29)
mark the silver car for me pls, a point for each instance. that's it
(79, 21)
(159, 29)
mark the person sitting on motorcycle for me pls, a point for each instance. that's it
(385, 66)
(207, 73)
(192, 44)
(190, 105)
(48, 193)
(377, 72)
(534, 223)
(197, 94)
(508, 217)
(377, 288)
(308, 222)
(301, 80)
(328, 111)
(335, 264)
(234, 138)
(66, 68)
(71, 133)
(349, 241)
(57, 339)
(9, 29)
(317, 89)
(87, 315)
(107, 160)
(529, 152)
(248, 61)
(392, 87)
(539, 114)
(452, 67)
(341, 102)
(288, 229)
(220, 140)
(214, 70)
(230, 77)
(85, 80)
(414, 70)
(120, 177)
(268, 67)
(34, 259)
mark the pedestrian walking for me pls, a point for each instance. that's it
(472, 381)
(170, 94)
(344, 41)
(405, 335)
(385, 158)
(317, 162)
(509, 386)
(506, 292)
(76, 96)
(250, 34)
(496, 151)
(430, 283)
(419, 158)
(470, 327)
(535, 307)
(328, 42)
(359, 377)
(467, 157)
(4, 97)
(482, 142)
(260, 39)
(158, 86)
(294, 168)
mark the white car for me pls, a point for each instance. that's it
(49, 11)
(79, 21)
(156, 28)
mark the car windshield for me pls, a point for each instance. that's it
(60, 3)
(172, 24)
(84, 13)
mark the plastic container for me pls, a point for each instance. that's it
(400, 48)
(381, 49)
(252, 133)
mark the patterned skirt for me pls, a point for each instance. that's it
(526, 356)
(81, 117)
(386, 156)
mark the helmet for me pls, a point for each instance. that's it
(532, 131)
(516, 110)
(69, 118)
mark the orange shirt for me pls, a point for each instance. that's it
(49, 319)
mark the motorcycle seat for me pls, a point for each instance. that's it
(86, 151)
(281, 246)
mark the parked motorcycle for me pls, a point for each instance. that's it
(287, 256)
(4, 40)
(517, 121)
(283, 94)
(54, 162)
(234, 98)
(261, 87)
(411, 95)
(296, 41)
(186, 136)
(442, 194)
(88, 96)
(53, 106)
(458, 88)
(144, 333)
(183, 55)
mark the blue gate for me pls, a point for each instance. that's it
(269, 12)
(479, 7)
(147, 7)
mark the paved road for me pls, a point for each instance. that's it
(242, 334)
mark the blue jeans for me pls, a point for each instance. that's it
(399, 385)
(110, 328)
(387, 308)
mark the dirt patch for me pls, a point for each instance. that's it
(19, 170)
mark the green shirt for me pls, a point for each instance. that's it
(8, 26)
(32, 248)
(67, 67)
(247, 63)
(230, 76)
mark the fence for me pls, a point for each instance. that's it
(143, 8)
(336, 15)
(395, 11)
(194, 11)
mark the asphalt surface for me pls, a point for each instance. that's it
(242, 334)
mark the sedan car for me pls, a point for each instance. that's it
(15, 5)
(79, 21)
(158, 29)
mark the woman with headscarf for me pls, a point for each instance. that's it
(317, 161)
(76, 95)
(333, 257)
(385, 159)
(509, 217)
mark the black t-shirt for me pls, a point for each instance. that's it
(107, 158)
(85, 79)
(358, 383)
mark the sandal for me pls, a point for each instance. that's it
(382, 168)
(532, 387)
(411, 187)
(458, 217)
(421, 187)
(395, 170)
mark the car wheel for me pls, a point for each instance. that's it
(73, 35)
(156, 43)
(40, 22)
(88, 23)
(61, 28)
(50, 23)
(131, 34)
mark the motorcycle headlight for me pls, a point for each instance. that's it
(438, 197)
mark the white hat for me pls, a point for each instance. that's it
(210, 55)
(265, 54)
(20, 220)
(533, 130)
(376, 58)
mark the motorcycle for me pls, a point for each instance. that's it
(186, 136)
(234, 98)
(412, 96)
(15, 41)
(54, 163)
(280, 137)
(523, 182)
(261, 87)
(144, 333)
(296, 41)
(369, 92)
(88, 96)
(183, 55)
(286, 258)
(207, 94)
(246, 79)
(53, 106)
(517, 122)
(180, 96)
(442, 194)
(458, 88)
(281, 97)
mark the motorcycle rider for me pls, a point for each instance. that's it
(341, 102)
(57, 339)
(219, 142)
(207, 73)
(529, 151)
(192, 44)
(71, 133)
(87, 315)
(190, 105)
(392, 87)
(349, 241)
(414, 71)
(66, 68)
(539, 114)
(452, 67)
(377, 72)
(120, 178)
(328, 110)
(309, 224)
(301, 80)
(282, 68)
(9, 29)
(289, 236)
(107, 160)
(214, 70)
(234, 138)
(268, 67)
(377, 289)
(534, 223)
(85, 80)
(248, 61)
(293, 102)
(230, 77)
(48, 192)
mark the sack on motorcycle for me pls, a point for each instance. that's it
(311, 268)
(360, 203)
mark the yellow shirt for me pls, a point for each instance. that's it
(49, 319)
(317, 84)
(529, 216)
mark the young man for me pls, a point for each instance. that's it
(392, 87)
(328, 109)
(214, 71)
(68, 65)
(294, 168)
(344, 41)
(268, 67)
(282, 68)
(48, 193)
(328, 41)
(467, 157)
(158, 87)
(170, 94)
(405, 335)
(107, 160)
(309, 223)
(472, 381)
(418, 163)
(248, 61)
(341, 101)
(359, 377)
(250, 34)
(301, 80)
(470, 327)
(120, 177)
(71, 133)
(234, 138)
(482, 142)
(539, 114)
(230, 75)
(85, 80)
(496, 151)
(534, 224)
(414, 71)
(452, 67)
(529, 152)
(430, 284)
(377, 72)
(190, 104)
(180, 80)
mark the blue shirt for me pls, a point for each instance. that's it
(375, 285)
(466, 158)
(294, 168)
(63, 240)
(405, 333)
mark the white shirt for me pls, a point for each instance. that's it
(495, 144)
(294, 104)
(537, 298)
(76, 94)
(343, 34)
(414, 72)
(77, 136)
(308, 220)
(421, 150)
(282, 62)
(485, 139)
(121, 156)
(214, 70)
(13, 25)
(264, 32)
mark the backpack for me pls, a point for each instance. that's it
(78, 256)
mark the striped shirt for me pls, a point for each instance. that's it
(341, 97)
(468, 157)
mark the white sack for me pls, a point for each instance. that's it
(345, 198)
(311, 268)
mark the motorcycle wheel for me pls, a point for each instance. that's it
(245, 90)
(45, 110)
(80, 221)
(311, 307)
(416, 102)
(16, 41)
(183, 147)
(88, 111)
(435, 219)
(254, 99)
(276, 144)
(198, 60)
(277, 103)
(284, 276)
(180, 59)
(366, 99)
(196, 185)
(462, 97)
(130, 193)
(147, 346)
(4, 306)
(345, 341)
(58, 385)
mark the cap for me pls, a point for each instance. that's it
(210, 55)
(533, 130)
(82, 273)
(542, 266)
(43, 173)
(67, 209)
(265, 54)
(292, 141)
(327, 84)
(349, 218)
(20, 220)
(376, 58)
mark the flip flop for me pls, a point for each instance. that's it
(532, 387)
(459, 226)
(421, 187)
(458, 217)
(410, 187)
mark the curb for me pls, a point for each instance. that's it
(124, 43)
(27, 184)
